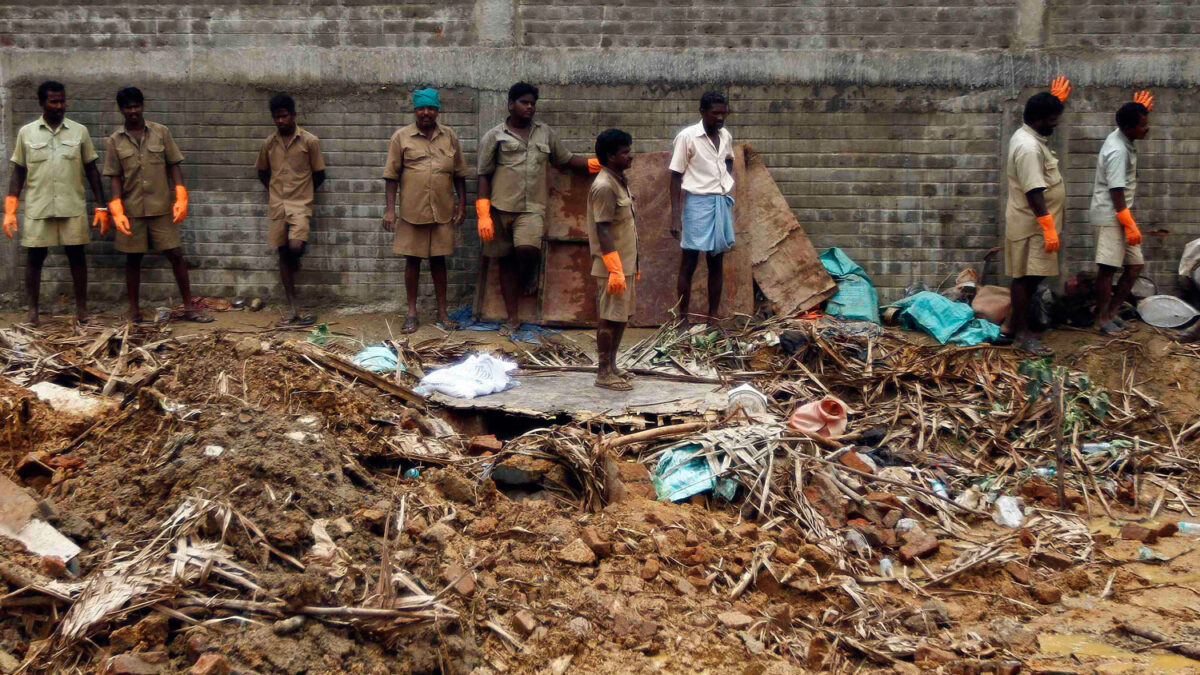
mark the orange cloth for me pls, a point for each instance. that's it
(179, 210)
(483, 211)
(1133, 236)
(616, 273)
(117, 208)
(10, 215)
(1051, 237)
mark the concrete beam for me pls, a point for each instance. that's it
(497, 68)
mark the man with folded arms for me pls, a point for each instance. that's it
(1036, 195)
(51, 157)
(612, 236)
(1118, 239)
(142, 162)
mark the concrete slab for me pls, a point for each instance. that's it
(553, 394)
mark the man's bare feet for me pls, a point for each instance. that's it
(33, 318)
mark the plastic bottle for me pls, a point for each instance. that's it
(1092, 448)
(1189, 528)
(1008, 512)
(886, 568)
(1044, 472)
(412, 473)
(1147, 553)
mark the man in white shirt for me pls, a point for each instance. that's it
(702, 199)
(1118, 239)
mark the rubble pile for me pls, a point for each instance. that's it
(244, 503)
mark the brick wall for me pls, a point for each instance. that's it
(742, 24)
(1132, 24)
(229, 23)
(884, 122)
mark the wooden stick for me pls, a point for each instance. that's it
(1188, 649)
(651, 434)
(350, 370)
(1059, 420)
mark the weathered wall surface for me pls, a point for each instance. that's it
(884, 122)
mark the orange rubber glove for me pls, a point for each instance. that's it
(1145, 98)
(1061, 88)
(117, 208)
(1051, 237)
(593, 165)
(638, 276)
(100, 219)
(616, 273)
(483, 211)
(10, 215)
(1133, 236)
(179, 210)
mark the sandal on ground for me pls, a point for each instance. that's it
(447, 324)
(623, 373)
(197, 317)
(1004, 340)
(410, 324)
(1110, 328)
(1034, 346)
(614, 383)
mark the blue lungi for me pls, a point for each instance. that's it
(707, 223)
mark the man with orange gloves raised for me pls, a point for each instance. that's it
(1118, 239)
(511, 204)
(1036, 196)
(142, 161)
(51, 157)
(612, 236)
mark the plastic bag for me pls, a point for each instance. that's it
(478, 375)
(934, 314)
(856, 297)
(376, 358)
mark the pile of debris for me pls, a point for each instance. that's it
(243, 503)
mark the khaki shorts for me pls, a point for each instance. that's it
(150, 233)
(618, 308)
(514, 229)
(1112, 250)
(43, 232)
(423, 241)
(1028, 258)
(288, 227)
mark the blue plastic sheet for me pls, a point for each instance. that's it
(856, 298)
(526, 332)
(377, 359)
(945, 319)
(680, 474)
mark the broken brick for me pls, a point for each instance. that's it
(488, 443)
(1167, 530)
(785, 556)
(597, 543)
(920, 545)
(852, 460)
(53, 567)
(1026, 538)
(130, 664)
(932, 654)
(462, 580)
(735, 620)
(1018, 572)
(482, 526)
(1055, 561)
(1139, 533)
(693, 555)
(650, 568)
(885, 499)
(1046, 594)
(524, 622)
(210, 664)
(577, 553)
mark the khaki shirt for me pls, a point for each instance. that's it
(142, 168)
(609, 201)
(426, 169)
(292, 167)
(518, 167)
(1031, 165)
(1116, 167)
(54, 160)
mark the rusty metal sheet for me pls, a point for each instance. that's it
(786, 267)
(771, 248)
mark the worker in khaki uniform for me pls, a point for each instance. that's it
(425, 160)
(511, 205)
(1036, 195)
(291, 167)
(1118, 239)
(142, 162)
(51, 156)
(612, 236)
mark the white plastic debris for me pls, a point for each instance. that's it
(478, 375)
(1008, 512)
(65, 399)
(213, 451)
